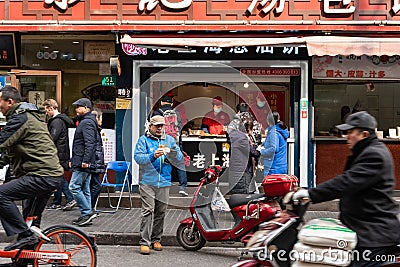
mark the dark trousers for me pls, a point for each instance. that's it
(35, 190)
(95, 188)
(62, 189)
(371, 257)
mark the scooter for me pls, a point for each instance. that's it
(247, 211)
(273, 244)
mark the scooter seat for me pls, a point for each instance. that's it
(241, 199)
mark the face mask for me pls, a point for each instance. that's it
(260, 104)
(217, 110)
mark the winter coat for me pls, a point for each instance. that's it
(98, 166)
(28, 143)
(152, 171)
(85, 139)
(280, 164)
(58, 128)
(365, 191)
(270, 148)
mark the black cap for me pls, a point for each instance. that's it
(167, 99)
(83, 102)
(360, 119)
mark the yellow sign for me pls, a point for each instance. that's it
(123, 103)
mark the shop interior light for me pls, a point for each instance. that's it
(246, 85)
(75, 42)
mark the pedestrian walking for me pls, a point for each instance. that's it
(154, 153)
(58, 125)
(98, 168)
(83, 156)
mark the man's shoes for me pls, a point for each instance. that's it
(183, 193)
(144, 250)
(157, 246)
(23, 242)
(70, 205)
(54, 207)
(84, 220)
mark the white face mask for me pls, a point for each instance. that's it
(217, 110)
(260, 104)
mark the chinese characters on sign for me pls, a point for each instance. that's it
(277, 6)
(356, 67)
(132, 50)
(199, 160)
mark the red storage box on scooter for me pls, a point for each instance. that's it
(279, 184)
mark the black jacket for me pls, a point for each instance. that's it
(85, 139)
(365, 191)
(58, 128)
(98, 166)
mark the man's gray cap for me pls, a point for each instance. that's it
(360, 119)
(83, 102)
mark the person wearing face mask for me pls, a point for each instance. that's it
(215, 120)
(260, 109)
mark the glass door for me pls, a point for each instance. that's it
(37, 85)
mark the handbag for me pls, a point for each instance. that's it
(218, 202)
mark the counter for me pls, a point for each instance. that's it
(208, 150)
(332, 152)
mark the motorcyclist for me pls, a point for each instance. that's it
(365, 191)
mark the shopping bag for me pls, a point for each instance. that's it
(218, 202)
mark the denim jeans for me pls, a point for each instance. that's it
(58, 194)
(95, 188)
(80, 189)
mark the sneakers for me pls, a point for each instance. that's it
(84, 220)
(23, 242)
(54, 207)
(183, 193)
(144, 250)
(157, 246)
(70, 205)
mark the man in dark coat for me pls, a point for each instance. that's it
(58, 125)
(365, 191)
(83, 157)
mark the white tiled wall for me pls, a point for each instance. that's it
(383, 103)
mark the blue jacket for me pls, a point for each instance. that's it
(152, 171)
(270, 147)
(85, 139)
(280, 164)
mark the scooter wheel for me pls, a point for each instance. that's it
(194, 242)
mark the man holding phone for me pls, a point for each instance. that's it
(154, 152)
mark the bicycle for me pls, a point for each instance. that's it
(59, 245)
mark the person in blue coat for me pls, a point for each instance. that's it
(274, 150)
(155, 153)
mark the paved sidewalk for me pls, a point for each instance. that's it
(122, 227)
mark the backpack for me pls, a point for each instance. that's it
(171, 123)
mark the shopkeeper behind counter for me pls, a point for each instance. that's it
(215, 120)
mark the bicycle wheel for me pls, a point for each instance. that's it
(72, 240)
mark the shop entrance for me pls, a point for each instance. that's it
(36, 86)
(195, 86)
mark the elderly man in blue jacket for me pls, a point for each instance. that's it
(155, 152)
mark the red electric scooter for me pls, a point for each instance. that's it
(248, 211)
(273, 244)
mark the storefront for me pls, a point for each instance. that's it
(194, 83)
(271, 43)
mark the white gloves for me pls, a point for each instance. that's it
(300, 194)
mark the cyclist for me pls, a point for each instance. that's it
(33, 158)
